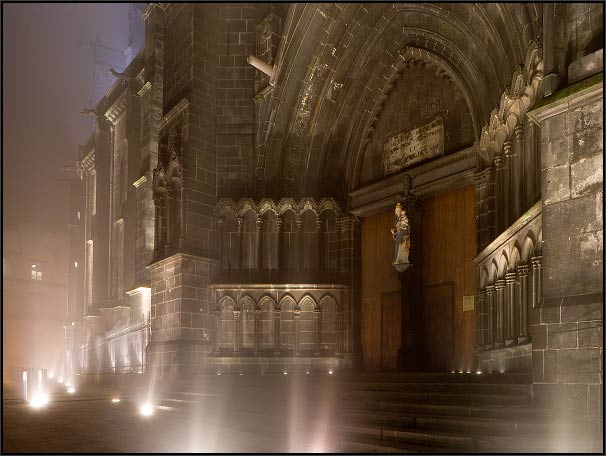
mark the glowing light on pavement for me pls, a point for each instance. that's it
(330, 372)
(39, 400)
(116, 399)
(146, 410)
(71, 390)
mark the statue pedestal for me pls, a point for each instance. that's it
(401, 267)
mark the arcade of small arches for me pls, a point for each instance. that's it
(509, 285)
(307, 327)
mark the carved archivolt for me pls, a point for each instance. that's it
(526, 88)
(245, 205)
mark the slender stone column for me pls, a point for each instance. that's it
(318, 322)
(257, 331)
(183, 233)
(523, 328)
(277, 332)
(278, 235)
(483, 182)
(490, 300)
(320, 243)
(499, 292)
(259, 244)
(217, 338)
(157, 236)
(530, 165)
(550, 80)
(507, 185)
(237, 332)
(339, 346)
(517, 172)
(537, 273)
(297, 330)
(498, 177)
(511, 337)
(220, 223)
(300, 243)
(480, 320)
(169, 216)
(240, 241)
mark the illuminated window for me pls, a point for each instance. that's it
(36, 272)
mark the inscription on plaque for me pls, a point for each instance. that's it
(405, 148)
(468, 303)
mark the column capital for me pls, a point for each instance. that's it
(498, 162)
(500, 284)
(519, 132)
(319, 223)
(507, 149)
(523, 270)
(490, 289)
(537, 262)
(317, 313)
(237, 313)
(259, 223)
(299, 223)
(278, 223)
(220, 220)
(480, 295)
(240, 224)
(511, 277)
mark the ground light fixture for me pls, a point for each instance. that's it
(116, 400)
(39, 400)
(146, 409)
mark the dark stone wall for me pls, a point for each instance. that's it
(567, 336)
(419, 97)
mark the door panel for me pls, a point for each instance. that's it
(438, 327)
(391, 330)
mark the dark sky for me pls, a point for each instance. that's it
(46, 82)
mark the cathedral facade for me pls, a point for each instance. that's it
(234, 205)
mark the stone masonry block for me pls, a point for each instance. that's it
(555, 152)
(562, 335)
(539, 337)
(537, 366)
(578, 215)
(579, 365)
(555, 184)
(590, 334)
(573, 278)
(582, 312)
(587, 143)
(550, 366)
(587, 175)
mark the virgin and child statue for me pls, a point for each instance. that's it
(401, 236)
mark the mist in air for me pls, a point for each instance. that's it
(48, 79)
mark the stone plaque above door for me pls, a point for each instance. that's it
(407, 147)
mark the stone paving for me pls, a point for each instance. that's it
(88, 421)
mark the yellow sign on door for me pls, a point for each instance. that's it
(468, 303)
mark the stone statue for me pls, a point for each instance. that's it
(401, 236)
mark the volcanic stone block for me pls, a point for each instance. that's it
(562, 335)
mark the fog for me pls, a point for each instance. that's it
(47, 80)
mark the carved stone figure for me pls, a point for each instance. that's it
(401, 236)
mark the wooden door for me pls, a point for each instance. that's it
(438, 327)
(391, 329)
